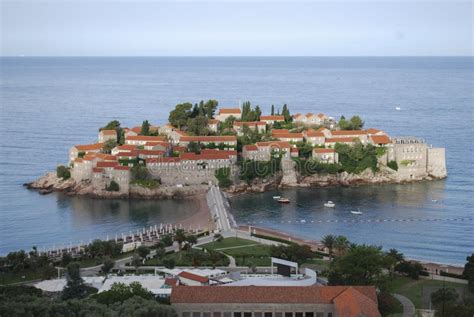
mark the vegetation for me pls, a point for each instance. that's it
(293, 252)
(354, 123)
(312, 166)
(115, 125)
(147, 183)
(108, 146)
(75, 287)
(63, 172)
(406, 162)
(189, 257)
(223, 177)
(191, 118)
(29, 301)
(140, 173)
(145, 130)
(250, 114)
(468, 272)
(113, 187)
(357, 158)
(250, 169)
(393, 165)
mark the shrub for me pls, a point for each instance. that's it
(357, 158)
(222, 175)
(113, 187)
(393, 165)
(388, 304)
(63, 172)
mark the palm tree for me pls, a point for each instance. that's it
(136, 261)
(191, 239)
(328, 241)
(180, 237)
(341, 244)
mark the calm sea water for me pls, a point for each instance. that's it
(47, 104)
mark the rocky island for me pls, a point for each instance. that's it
(241, 150)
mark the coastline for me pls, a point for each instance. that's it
(318, 246)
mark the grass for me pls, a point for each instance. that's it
(185, 258)
(18, 277)
(227, 243)
(418, 290)
(245, 252)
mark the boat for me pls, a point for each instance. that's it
(356, 212)
(398, 108)
(329, 204)
(276, 197)
(283, 200)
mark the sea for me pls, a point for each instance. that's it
(48, 104)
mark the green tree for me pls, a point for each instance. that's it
(143, 251)
(113, 187)
(341, 244)
(393, 165)
(194, 147)
(63, 172)
(272, 112)
(362, 265)
(210, 107)
(258, 113)
(356, 123)
(198, 125)
(286, 113)
(468, 272)
(75, 287)
(108, 146)
(329, 242)
(180, 237)
(180, 115)
(442, 297)
(223, 177)
(136, 261)
(115, 125)
(108, 266)
(145, 128)
(167, 240)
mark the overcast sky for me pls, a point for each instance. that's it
(234, 28)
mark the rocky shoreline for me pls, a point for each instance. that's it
(49, 183)
(288, 178)
(285, 180)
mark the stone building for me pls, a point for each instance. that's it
(143, 139)
(225, 113)
(362, 135)
(86, 148)
(328, 156)
(262, 151)
(275, 301)
(289, 136)
(230, 141)
(310, 119)
(106, 172)
(106, 135)
(415, 159)
(213, 125)
(259, 126)
(272, 119)
(315, 138)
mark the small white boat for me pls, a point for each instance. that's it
(283, 201)
(398, 108)
(276, 197)
(303, 221)
(356, 212)
(329, 204)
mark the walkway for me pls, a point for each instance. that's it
(408, 307)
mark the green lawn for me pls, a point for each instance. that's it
(227, 243)
(418, 290)
(185, 258)
(245, 252)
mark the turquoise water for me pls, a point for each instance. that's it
(47, 104)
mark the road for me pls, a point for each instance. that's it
(218, 210)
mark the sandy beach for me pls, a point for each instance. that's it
(318, 246)
(201, 218)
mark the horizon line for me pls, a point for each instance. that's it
(231, 56)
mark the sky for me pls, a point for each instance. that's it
(236, 28)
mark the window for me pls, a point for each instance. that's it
(298, 314)
(268, 314)
(227, 314)
(196, 314)
(319, 314)
(185, 314)
(206, 314)
(278, 314)
(329, 314)
(259, 314)
(309, 314)
(288, 314)
(247, 314)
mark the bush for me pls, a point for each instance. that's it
(388, 304)
(113, 187)
(222, 175)
(357, 158)
(393, 165)
(63, 172)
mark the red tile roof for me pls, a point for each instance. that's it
(276, 131)
(373, 131)
(321, 115)
(352, 302)
(97, 170)
(250, 147)
(312, 133)
(212, 121)
(380, 139)
(171, 281)
(156, 143)
(179, 149)
(137, 130)
(204, 156)
(145, 138)
(106, 164)
(105, 157)
(89, 147)
(216, 139)
(317, 150)
(280, 144)
(127, 154)
(194, 277)
(126, 147)
(229, 111)
(211, 151)
(267, 294)
(272, 118)
(122, 168)
(349, 132)
(151, 152)
(108, 132)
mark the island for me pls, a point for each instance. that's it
(241, 150)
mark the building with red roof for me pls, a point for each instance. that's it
(272, 119)
(191, 279)
(225, 113)
(259, 126)
(328, 156)
(304, 301)
(107, 135)
(143, 139)
(229, 141)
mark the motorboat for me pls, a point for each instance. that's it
(398, 108)
(276, 197)
(329, 204)
(283, 200)
(356, 212)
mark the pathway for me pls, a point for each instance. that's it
(408, 307)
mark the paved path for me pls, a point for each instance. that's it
(237, 247)
(408, 307)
